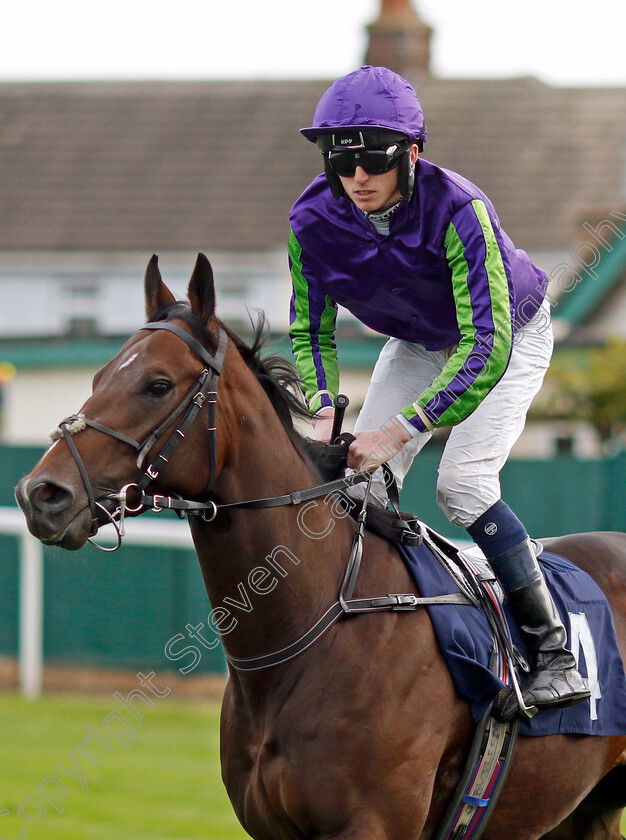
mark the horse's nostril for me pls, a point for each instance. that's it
(50, 496)
(47, 493)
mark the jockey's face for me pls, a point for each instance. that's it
(372, 193)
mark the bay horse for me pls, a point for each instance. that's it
(361, 736)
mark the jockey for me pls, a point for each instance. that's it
(417, 254)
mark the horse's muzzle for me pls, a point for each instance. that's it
(53, 512)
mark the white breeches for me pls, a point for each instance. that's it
(478, 447)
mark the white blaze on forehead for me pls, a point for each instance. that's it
(128, 362)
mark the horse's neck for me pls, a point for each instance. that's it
(274, 570)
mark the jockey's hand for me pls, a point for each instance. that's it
(371, 449)
(323, 425)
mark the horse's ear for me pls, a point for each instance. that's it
(157, 293)
(202, 290)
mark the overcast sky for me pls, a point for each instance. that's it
(564, 43)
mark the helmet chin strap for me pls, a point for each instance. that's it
(406, 176)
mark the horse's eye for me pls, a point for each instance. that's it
(158, 388)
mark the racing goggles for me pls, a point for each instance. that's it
(374, 161)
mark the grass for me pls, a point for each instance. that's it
(164, 784)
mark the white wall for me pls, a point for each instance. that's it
(36, 401)
(43, 294)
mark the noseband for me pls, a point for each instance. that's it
(205, 388)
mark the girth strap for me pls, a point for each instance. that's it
(483, 778)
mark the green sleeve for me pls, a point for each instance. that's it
(312, 331)
(481, 294)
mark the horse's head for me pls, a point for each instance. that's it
(154, 400)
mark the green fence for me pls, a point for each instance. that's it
(121, 610)
(108, 610)
(551, 497)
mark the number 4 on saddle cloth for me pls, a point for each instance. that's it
(466, 642)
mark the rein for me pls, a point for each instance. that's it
(206, 387)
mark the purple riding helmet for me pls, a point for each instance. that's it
(369, 110)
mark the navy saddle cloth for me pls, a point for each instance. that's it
(466, 643)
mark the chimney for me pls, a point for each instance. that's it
(400, 40)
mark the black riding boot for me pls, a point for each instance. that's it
(554, 680)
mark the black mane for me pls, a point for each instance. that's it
(276, 374)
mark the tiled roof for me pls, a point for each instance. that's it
(216, 165)
(549, 158)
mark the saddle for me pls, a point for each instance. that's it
(392, 525)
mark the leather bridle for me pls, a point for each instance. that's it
(203, 389)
